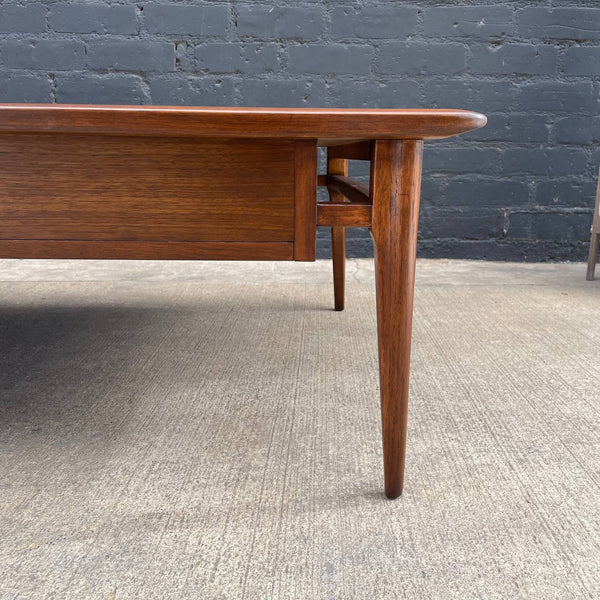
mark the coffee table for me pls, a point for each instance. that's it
(130, 182)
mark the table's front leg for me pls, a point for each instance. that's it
(395, 191)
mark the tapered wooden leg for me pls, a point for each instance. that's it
(395, 190)
(338, 250)
(338, 166)
(593, 255)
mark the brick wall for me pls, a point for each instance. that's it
(522, 188)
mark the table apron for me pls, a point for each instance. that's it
(98, 196)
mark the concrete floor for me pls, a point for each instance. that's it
(211, 430)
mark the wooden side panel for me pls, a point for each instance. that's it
(305, 238)
(96, 187)
(147, 250)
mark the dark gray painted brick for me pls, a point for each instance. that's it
(191, 91)
(268, 22)
(359, 243)
(554, 161)
(205, 20)
(449, 93)
(28, 18)
(460, 224)
(561, 226)
(578, 130)
(135, 55)
(359, 169)
(330, 58)
(482, 249)
(433, 190)
(53, 55)
(93, 17)
(566, 194)
(392, 94)
(288, 92)
(519, 250)
(25, 87)
(519, 226)
(461, 160)
(185, 56)
(494, 96)
(417, 58)
(374, 22)
(559, 23)
(468, 21)
(518, 59)
(558, 97)
(595, 160)
(118, 88)
(486, 193)
(582, 62)
(237, 58)
(475, 94)
(512, 128)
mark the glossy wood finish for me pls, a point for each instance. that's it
(344, 214)
(350, 202)
(305, 166)
(355, 191)
(595, 236)
(336, 166)
(94, 187)
(228, 183)
(356, 151)
(147, 250)
(331, 126)
(395, 190)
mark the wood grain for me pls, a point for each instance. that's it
(330, 125)
(305, 237)
(343, 214)
(336, 166)
(356, 151)
(146, 250)
(58, 186)
(395, 190)
(355, 191)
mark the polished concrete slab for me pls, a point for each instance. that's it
(211, 430)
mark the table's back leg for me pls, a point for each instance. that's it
(593, 255)
(338, 166)
(395, 190)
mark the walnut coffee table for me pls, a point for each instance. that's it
(121, 182)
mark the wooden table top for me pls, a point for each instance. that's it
(330, 126)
